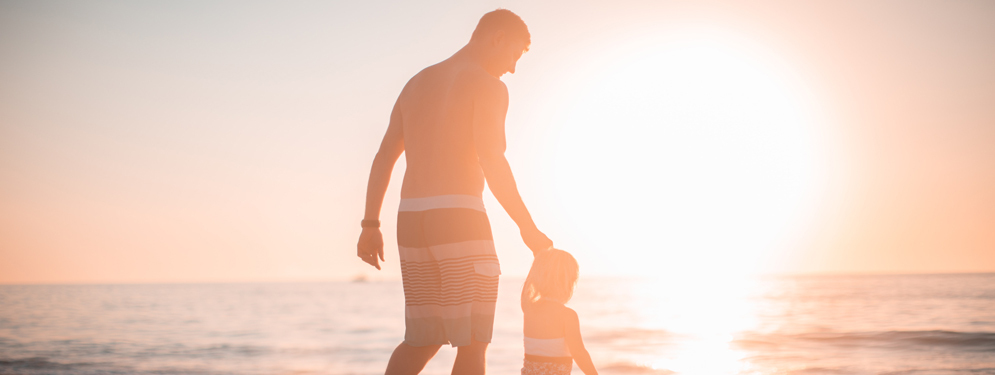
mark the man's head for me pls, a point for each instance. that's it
(502, 36)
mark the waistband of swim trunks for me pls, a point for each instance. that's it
(442, 201)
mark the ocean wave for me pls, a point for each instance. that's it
(969, 371)
(818, 371)
(633, 369)
(43, 365)
(36, 363)
(935, 338)
(628, 334)
(46, 366)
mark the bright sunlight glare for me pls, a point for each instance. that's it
(693, 154)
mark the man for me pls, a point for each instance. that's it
(449, 122)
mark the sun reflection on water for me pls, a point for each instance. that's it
(701, 316)
(709, 311)
(704, 356)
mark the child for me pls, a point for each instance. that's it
(552, 330)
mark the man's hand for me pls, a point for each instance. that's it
(536, 240)
(370, 246)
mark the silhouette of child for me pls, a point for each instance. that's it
(552, 330)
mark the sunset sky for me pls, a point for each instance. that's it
(224, 141)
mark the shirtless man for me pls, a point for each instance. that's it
(449, 122)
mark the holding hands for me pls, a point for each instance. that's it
(535, 240)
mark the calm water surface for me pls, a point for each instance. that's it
(916, 325)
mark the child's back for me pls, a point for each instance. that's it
(545, 334)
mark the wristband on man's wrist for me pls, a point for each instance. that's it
(370, 223)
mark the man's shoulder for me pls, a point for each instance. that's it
(465, 77)
(477, 79)
(484, 80)
(485, 85)
(421, 76)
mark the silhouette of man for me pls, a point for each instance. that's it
(449, 123)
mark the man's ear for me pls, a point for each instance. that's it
(498, 38)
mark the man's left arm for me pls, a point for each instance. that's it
(489, 111)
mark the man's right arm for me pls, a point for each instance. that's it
(370, 245)
(489, 110)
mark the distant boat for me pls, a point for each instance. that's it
(359, 278)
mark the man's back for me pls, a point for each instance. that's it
(437, 109)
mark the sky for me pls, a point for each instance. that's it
(230, 141)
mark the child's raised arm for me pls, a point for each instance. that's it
(576, 344)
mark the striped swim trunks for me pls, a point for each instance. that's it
(450, 270)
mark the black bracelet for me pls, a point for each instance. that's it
(370, 223)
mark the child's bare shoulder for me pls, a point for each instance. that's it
(566, 312)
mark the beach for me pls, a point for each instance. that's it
(894, 324)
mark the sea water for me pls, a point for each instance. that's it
(904, 324)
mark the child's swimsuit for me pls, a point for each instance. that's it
(450, 270)
(553, 357)
(547, 347)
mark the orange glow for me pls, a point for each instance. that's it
(713, 137)
(709, 146)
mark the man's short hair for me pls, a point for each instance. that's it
(503, 19)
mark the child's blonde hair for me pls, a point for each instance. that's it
(552, 277)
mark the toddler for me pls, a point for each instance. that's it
(552, 330)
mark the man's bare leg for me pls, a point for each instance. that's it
(471, 359)
(410, 360)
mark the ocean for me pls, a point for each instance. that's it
(804, 325)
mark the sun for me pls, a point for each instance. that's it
(696, 152)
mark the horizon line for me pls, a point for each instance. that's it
(513, 277)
